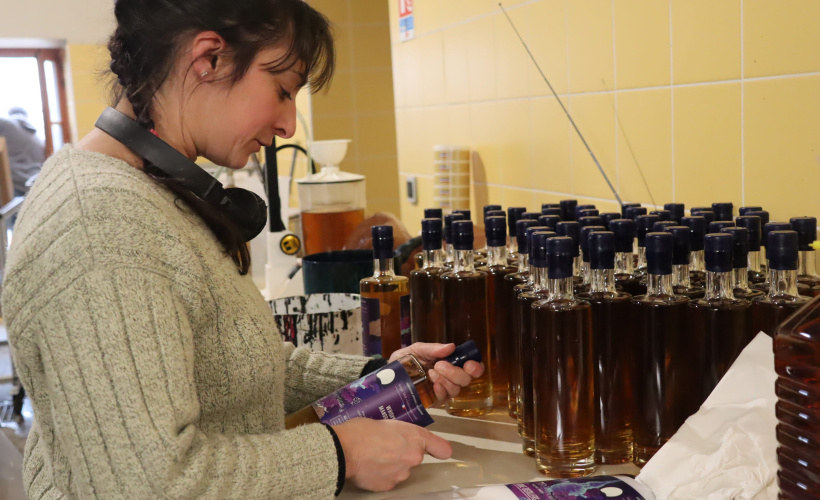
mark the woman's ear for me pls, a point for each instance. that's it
(206, 48)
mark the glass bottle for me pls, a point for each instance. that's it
(549, 221)
(796, 345)
(426, 299)
(764, 219)
(385, 300)
(511, 282)
(681, 279)
(612, 351)
(721, 323)
(634, 211)
(697, 230)
(768, 228)
(662, 225)
(568, 209)
(523, 310)
(723, 211)
(465, 318)
(572, 230)
(583, 242)
(752, 225)
(783, 300)
(608, 217)
(625, 206)
(400, 390)
(429, 213)
(563, 371)
(489, 211)
(449, 251)
(499, 316)
(662, 354)
(663, 215)
(590, 220)
(580, 208)
(806, 228)
(625, 277)
(740, 271)
(643, 226)
(677, 210)
(513, 214)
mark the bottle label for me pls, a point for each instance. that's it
(599, 487)
(371, 326)
(404, 302)
(386, 394)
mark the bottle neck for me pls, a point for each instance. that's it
(497, 256)
(585, 272)
(696, 261)
(463, 261)
(740, 277)
(680, 275)
(642, 258)
(523, 263)
(659, 284)
(449, 253)
(624, 263)
(782, 283)
(602, 280)
(540, 281)
(576, 267)
(560, 289)
(512, 247)
(719, 285)
(754, 261)
(383, 267)
(431, 259)
(805, 264)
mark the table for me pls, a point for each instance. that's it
(486, 450)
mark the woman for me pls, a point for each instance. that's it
(153, 363)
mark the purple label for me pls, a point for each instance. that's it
(595, 487)
(371, 327)
(387, 393)
(406, 339)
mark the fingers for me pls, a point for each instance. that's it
(434, 445)
(454, 374)
(474, 368)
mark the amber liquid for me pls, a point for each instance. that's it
(328, 231)
(796, 350)
(526, 350)
(723, 328)
(613, 352)
(510, 282)
(690, 292)
(499, 317)
(663, 349)
(630, 284)
(811, 285)
(427, 305)
(389, 290)
(465, 318)
(564, 388)
(768, 313)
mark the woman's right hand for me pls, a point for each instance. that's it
(380, 453)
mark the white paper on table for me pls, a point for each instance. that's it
(727, 450)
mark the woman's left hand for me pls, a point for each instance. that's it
(447, 379)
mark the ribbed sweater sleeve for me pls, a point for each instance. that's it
(313, 374)
(117, 360)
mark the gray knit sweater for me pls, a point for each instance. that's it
(155, 370)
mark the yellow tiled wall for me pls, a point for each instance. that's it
(714, 101)
(359, 104)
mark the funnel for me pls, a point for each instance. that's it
(329, 153)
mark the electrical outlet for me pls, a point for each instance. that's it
(412, 191)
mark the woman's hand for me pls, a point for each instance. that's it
(447, 379)
(380, 453)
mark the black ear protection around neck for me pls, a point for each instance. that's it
(245, 208)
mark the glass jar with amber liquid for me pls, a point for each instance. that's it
(563, 372)
(426, 296)
(465, 318)
(783, 300)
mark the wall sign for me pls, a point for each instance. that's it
(406, 20)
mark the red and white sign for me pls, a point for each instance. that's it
(406, 20)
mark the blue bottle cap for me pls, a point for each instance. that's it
(659, 253)
(521, 234)
(590, 220)
(624, 230)
(717, 252)
(740, 245)
(723, 211)
(706, 214)
(681, 244)
(530, 215)
(552, 211)
(663, 215)
(572, 230)
(697, 229)
(644, 225)
(433, 213)
(773, 226)
(806, 228)
(676, 209)
(560, 254)
(715, 227)
(782, 250)
(588, 212)
(752, 224)
(662, 225)
(498, 213)
(608, 217)
(463, 235)
(448, 226)
(764, 216)
(629, 205)
(466, 213)
(431, 234)
(531, 231)
(584, 240)
(601, 250)
(746, 210)
(538, 248)
(568, 209)
(545, 206)
(468, 351)
(382, 242)
(488, 208)
(495, 230)
(581, 208)
(634, 212)
(513, 214)
(549, 220)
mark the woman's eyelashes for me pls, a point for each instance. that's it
(284, 94)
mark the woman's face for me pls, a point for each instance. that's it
(236, 121)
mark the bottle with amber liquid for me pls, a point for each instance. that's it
(783, 299)
(499, 315)
(385, 300)
(563, 371)
(740, 270)
(400, 390)
(523, 311)
(449, 251)
(612, 351)
(697, 230)
(430, 213)
(426, 298)
(513, 215)
(568, 209)
(796, 347)
(663, 354)
(625, 277)
(512, 284)
(677, 211)
(572, 230)
(465, 318)
(806, 228)
(681, 278)
(586, 270)
(488, 211)
(643, 226)
(752, 224)
(768, 228)
(720, 322)
(764, 219)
